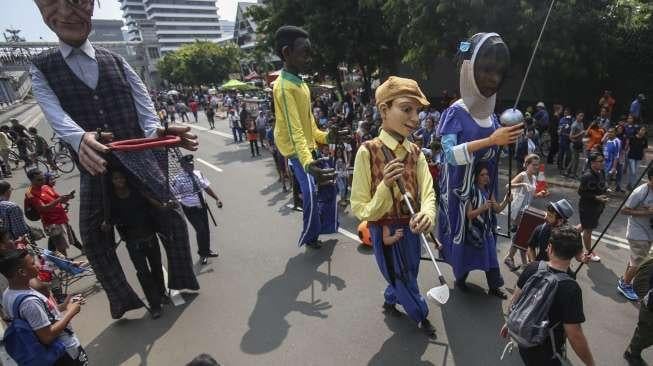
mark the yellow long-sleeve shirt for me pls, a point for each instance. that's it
(295, 131)
(371, 208)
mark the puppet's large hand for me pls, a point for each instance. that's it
(322, 175)
(188, 140)
(89, 152)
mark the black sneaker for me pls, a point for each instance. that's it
(498, 293)
(428, 329)
(204, 260)
(462, 286)
(634, 360)
(314, 245)
(156, 312)
(212, 254)
(391, 309)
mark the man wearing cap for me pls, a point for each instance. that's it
(296, 134)
(82, 88)
(376, 198)
(195, 207)
(557, 214)
(636, 107)
(541, 118)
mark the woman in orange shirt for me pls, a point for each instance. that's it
(595, 135)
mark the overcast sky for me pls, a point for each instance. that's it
(23, 15)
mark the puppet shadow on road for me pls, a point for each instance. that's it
(117, 343)
(277, 298)
(472, 322)
(406, 346)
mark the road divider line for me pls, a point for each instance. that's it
(175, 295)
(209, 165)
(615, 238)
(195, 127)
(223, 134)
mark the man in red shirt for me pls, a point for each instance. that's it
(193, 108)
(49, 204)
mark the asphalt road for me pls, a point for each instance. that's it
(265, 301)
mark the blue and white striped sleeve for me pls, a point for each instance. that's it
(454, 153)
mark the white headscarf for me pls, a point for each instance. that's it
(479, 106)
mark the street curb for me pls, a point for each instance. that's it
(571, 184)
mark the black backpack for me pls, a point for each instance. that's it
(31, 212)
(528, 322)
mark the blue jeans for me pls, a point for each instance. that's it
(633, 166)
(238, 137)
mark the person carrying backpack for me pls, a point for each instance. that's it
(547, 306)
(39, 334)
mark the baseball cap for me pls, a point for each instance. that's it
(563, 208)
(396, 87)
(540, 104)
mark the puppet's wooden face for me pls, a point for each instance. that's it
(70, 20)
(401, 116)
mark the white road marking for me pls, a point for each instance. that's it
(617, 239)
(219, 133)
(209, 165)
(214, 132)
(175, 295)
(195, 126)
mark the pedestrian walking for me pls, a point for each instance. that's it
(564, 142)
(524, 192)
(565, 313)
(639, 233)
(13, 221)
(194, 106)
(557, 215)
(592, 192)
(210, 116)
(234, 124)
(636, 146)
(643, 336)
(170, 108)
(5, 145)
(261, 123)
(636, 107)
(612, 150)
(252, 138)
(576, 133)
(195, 206)
(554, 138)
(130, 213)
(182, 111)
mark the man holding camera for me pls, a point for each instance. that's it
(639, 233)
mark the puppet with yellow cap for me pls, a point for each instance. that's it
(376, 198)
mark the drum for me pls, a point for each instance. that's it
(642, 279)
(530, 219)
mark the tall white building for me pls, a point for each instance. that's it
(133, 11)
(177, 21)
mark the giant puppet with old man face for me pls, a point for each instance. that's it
(471, 135)
(82, 88)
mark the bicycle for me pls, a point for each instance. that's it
(63, 162)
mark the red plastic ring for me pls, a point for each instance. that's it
(145, 143)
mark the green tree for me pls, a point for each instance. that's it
(200, 62)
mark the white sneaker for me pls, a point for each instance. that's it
(593, 257)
